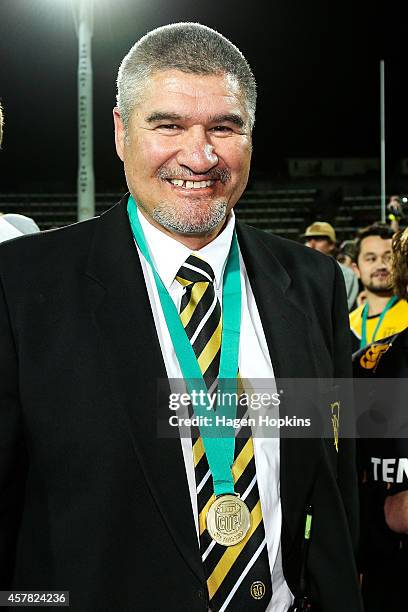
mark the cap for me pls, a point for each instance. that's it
(320, 229)
(348, 247)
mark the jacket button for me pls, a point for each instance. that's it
(200, 594)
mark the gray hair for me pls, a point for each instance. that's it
(188, 47)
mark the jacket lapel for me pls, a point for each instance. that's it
(286, 330)
(135, 365)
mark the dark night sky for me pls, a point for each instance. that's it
(316, 63)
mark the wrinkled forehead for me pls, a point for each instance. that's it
(230, 80)
(177, 88)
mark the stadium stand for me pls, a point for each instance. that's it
(285, 212)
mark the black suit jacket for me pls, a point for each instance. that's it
(90, 499)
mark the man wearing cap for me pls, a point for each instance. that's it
(321, 236)
(345, 254)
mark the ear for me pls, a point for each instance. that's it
(119, 133)
(355, 269)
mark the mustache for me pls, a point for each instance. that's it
(380, 272)
(215, 174)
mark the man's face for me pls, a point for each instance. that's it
(187, 152)
(320, 243)
(374, 264)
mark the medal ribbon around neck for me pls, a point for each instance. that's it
(219, 442)
(386, 308)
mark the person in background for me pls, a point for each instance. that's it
(395, 212)
(383, 313)
(13, 225)
(321, 236)
(383, 462)
(345, 253)
(346, 256)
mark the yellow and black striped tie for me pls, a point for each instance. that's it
(238, 577)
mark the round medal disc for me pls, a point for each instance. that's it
(228, 520)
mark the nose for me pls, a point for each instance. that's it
(196, 152)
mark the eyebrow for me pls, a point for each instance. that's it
(157, 116)
(229, 118)
(370, 253)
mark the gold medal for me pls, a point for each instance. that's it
(228, 520)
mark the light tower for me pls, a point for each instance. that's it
(83, 16)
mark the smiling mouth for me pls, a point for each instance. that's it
(190, 184)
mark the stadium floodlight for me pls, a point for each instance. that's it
(83, 17)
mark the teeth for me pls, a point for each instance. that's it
(191, 184)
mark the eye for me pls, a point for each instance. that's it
(222, 129)
(168, 127)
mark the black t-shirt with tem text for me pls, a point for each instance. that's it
(382, 462)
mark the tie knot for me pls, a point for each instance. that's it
(195, 270)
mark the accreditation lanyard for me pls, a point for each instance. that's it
(364, 315)
(219, 442)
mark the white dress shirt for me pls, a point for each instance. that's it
(168, 255)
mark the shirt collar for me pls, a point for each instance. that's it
(168, 254)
